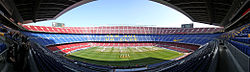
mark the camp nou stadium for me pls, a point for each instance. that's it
(29, 48)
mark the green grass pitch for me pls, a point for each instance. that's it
(125, 56)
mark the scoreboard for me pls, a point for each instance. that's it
(55, 24)
(187, 25)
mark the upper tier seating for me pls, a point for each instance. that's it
(243, 31)
(243, 34)
(121, 30)
(52, 39)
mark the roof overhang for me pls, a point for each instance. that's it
(203, 11)
(214, 12)
(41, 10)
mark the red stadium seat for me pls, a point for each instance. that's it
(121, 30)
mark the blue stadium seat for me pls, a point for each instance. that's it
(242, 39)
(2, 47)
(50, 39)
(244, 48)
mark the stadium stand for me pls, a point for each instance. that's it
(36, 48)
(201, 60)
(70, 48)
(67, 43)
(243, 47)
(182, 45)
(197, 61)
(123, 44)
(240, 38)
(11, 41)
(121, 30)
(42, 57)
(52, 39)
(204, 56)
(2, 47)
(47, 61)
(244, 39)
(174, 48)
(45, 47)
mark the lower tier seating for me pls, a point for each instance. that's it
(69, 48)
(198, 61)
(174, 48)
(182, 45)
(49, 62)
(123, 44)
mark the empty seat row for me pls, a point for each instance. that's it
(2, 47)
(242, 39)
(242, 47)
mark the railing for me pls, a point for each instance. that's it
(213, 65)
(241, 59)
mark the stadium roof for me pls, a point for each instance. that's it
(203, 11)
(215, 12)
(40, 10)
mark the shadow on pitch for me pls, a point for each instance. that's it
(144, 61)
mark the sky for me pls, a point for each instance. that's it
(122, 13)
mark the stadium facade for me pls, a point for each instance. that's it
(40, 48)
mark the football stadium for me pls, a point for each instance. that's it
(31, 48)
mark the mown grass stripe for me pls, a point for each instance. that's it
(149, 56)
